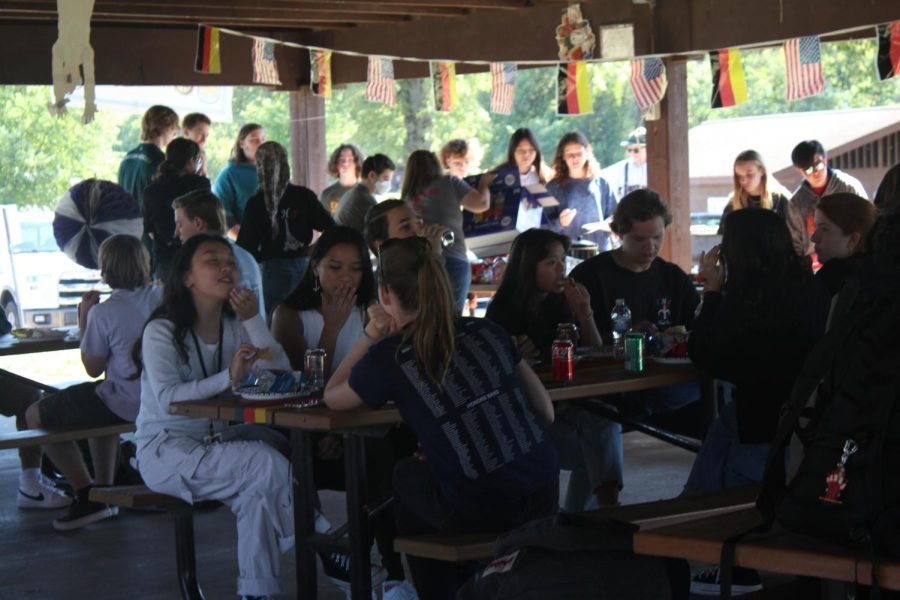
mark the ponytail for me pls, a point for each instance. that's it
(434, 332)
(417, 278)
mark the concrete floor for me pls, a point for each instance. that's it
(132, 556)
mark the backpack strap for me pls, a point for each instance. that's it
(817, 364)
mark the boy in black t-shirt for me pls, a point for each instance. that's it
(659, 295)
(658, 292)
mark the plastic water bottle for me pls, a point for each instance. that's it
(621, 324)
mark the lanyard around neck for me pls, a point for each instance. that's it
(218, 349)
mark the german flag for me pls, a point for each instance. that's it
(573, 89)
(728, 85)
(889, 50)
(320, 73)
(443, 78)
(208, 51)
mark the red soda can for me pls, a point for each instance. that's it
(563, 360)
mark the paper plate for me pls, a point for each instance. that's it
(672, 361)
(254, 394)
(36, 335)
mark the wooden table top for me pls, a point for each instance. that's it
(777, 551)
(10, 345)
(591, 379)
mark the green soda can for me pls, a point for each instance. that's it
(634, 351)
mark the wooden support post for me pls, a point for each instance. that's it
(667, 163)
(308, 160)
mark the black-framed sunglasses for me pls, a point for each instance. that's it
(819, 166)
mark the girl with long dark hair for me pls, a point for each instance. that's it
(768, 311)
(201, 341)
(463, 388)
(327, 309)
(178, 175)
(534, 296)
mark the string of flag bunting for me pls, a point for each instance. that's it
(803, 69)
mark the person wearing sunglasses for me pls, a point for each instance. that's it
(479, 411)
(811, 162)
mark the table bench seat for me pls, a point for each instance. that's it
(776, 551)
(140, 496)
(480, 546)
(36, 437)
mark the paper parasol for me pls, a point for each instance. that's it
(90, 212)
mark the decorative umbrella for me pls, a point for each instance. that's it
(90, 212)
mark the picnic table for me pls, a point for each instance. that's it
(592, 378)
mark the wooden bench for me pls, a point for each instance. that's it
(36, 437)
(140, 496)
(776, 551)
(480, 546)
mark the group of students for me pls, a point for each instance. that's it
(491, 443)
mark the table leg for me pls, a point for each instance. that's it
(357, 517)
(304, 513)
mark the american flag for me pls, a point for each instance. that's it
(265, 69)
(503, 87)
(380, 81)
(648, 81)
(804, 67)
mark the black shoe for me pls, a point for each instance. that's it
(336, 566)
(84, 513)
(743, 581)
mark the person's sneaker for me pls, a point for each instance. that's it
(84, 513)
(41, 493)
(336, 566)
(398, 590)
(743, 581)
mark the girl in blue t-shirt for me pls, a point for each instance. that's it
(478, 410)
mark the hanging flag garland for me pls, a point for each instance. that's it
(575, 39)
(320, 73)
(728, 85)
(265, 69)
(573, 89)
(380, 81)
(208, 51)
(803, 60)
(648, 81)
(503, 87)
(888, 50)
(443, 78)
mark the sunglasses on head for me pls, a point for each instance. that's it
(819, 166)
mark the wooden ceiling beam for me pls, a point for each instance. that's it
(145, 12)
(289, 8)
(245, 25)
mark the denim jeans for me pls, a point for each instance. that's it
(460, 274)
(280, 276)
(605, 438)
(723, 461)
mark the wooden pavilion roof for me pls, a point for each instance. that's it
(153, 41)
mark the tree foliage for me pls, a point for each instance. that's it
(46, 155)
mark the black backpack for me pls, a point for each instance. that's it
(847, 486)
(577, 557)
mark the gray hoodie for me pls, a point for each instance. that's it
(802, 207)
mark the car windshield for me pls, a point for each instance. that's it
(36, 237)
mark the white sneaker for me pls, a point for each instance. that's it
(398, 590)
(40, 493)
